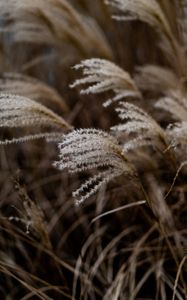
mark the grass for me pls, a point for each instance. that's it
(93, 117)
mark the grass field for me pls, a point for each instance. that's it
(93, 149)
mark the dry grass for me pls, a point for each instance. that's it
(128, 240)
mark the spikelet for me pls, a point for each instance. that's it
(139, 123)
(87, 149)
(102, 75)
(22, 112)
(23, 85)
(151, 13)
(54, 23)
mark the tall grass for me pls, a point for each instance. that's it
(122, 163)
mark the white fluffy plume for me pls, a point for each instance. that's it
(87, 149)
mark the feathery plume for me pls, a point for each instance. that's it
(157, 79)
(151, 13)
(23, 85)
(22, 112)
(102, 75)
(178, 134)
(175, 104)
(54, 23)
(139, 123)
(87, 149)
(146, 11)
